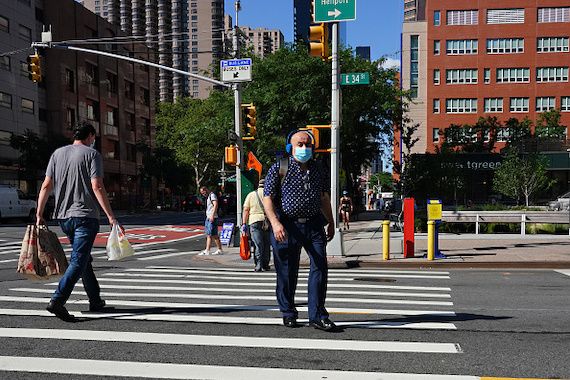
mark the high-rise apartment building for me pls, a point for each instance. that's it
(302, 19)
(261, 40)
(463, 60)
(187, 34)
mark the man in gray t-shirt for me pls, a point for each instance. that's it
(75, 173)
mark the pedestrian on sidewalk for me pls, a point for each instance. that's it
(75, 172)
(345, 209)
(298, 207)
(254, 218)
(211, 222)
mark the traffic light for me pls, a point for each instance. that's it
(34, 68)
(248, 119)
(230, 155)
(322, 134)
(319, 41)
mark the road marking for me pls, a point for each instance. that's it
(182, 371)
(10, 251)
(246, 297)
(232, 341)
(564, 271)
(223, 307)
(368, 324)
(168, 255)
(269, 283)
(350, 271)
(8, 261)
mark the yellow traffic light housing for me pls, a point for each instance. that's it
(319, 41)
(230, 155)
(249, 121)
(322, 135)
(34, 68)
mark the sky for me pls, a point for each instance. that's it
(378, 23)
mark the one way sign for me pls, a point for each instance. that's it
(236, 70)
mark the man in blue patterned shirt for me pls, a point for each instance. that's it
(298, 207)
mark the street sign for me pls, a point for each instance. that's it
(236, 70)
(226, 234)
(334, 10)
(354, 79)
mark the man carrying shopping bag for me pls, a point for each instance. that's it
(75, 173)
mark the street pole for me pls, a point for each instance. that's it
(336, 246)
(237, 116)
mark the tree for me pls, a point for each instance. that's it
(522, 176)
(548, 125)
(383, 180)
(477, 138)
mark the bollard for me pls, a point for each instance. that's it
(431, 240)
(386, 240)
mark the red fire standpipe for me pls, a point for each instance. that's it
(409, 227)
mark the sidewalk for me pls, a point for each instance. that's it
(363, 247)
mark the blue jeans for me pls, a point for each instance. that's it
(311, 236)
(81, 233)
(260, 239)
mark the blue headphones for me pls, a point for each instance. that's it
(289, 146)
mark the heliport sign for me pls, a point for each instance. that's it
(334, 10)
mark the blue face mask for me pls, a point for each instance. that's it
(303, 154)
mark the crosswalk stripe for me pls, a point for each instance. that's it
(566, 272)
(10, 251)
(368, 324)
(269, 283)
(167, 255)
(224, 307)
(182, 371)
(246, 297)
(8, 261)
(232, 341)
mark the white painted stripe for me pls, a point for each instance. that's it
(564, 271)
(168, 255)
(183, 371)
(269, 283)
(143, 252)
(246, 297)
(224, 307)
(6, 243)
(10, 251)
(368, 324)
(8, 261)
(259, 290)
(232, 341)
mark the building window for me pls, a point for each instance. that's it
(519, 105)
(145, 96)
(551, 74)
(459, 47)
(436, 77)
(487, 75)
(565, 104)
(91, 74)
(27, 106)
(70, 117)
(505, 45)
(493, 105)
(503, 134)
(195, 94)
(69, 80)
(505, 16)
(130, 121)
(93, 111)
(554, 14)
(112, 116)
(25, 33)
(414, 65)
(112, 83)
(436, 47)
(545, 103)
(436, 106)
(4, 24)
(24, 69)
(461, 105)
(552, 44)
(435, 135)
(513, 75)
(462, 17)
(461, 76)
(129, 90)
(5, 62)
(5, 100)
(436, 18)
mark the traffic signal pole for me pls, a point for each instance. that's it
(237, 130)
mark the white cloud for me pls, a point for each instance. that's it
(391, 63)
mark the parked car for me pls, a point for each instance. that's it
(13, 204)
(192, 203)
(562, 203)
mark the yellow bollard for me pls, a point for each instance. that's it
(431, 240)
(386, 240)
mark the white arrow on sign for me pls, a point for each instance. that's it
(335, 13)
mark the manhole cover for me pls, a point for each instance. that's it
(374, 279)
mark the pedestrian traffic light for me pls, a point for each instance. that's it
(322, 135)
(319, 41)
(34, 68)
(249, 120)
(230, 155)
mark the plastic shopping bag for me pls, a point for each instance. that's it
(118, 247)
(244, 250)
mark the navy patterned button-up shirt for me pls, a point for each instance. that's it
(300, 194)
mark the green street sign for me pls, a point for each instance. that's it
(334, 10)
(354, 79)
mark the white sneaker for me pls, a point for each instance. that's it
(218, 252)
(204, 253)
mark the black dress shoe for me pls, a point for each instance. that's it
(324, 324)
(60, 311)
(266, 268)
(95, 307)
(289, 321)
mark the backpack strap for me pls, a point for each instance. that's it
(283, 169)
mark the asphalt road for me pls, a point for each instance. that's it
(201, 320)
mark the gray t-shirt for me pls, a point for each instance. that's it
(210, 205)
(71, 168)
